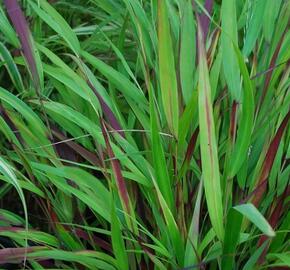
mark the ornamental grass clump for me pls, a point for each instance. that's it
(141, 134)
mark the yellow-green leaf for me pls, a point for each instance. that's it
(168, 81)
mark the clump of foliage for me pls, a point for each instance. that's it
(141, 134)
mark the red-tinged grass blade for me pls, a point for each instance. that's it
(97, 240)
(11, 229)
(256, 190)
(204, 19)
(107, 112)
(269, 159)
(188, 154)
(191, 146)
(16, 255)
(168, 81)
(86, 154)
(120, 182)
(80, 233)
(208, 145)
(122, 189)
(233, 121)
(20, 25)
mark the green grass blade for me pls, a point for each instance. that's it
(250, 264)
(48, 14)
(167, 73)
(10, 176)
(269, 19)
(173, 231)
(91, 260)
(118, 242)
(208, 145)
(251, 212)
(7, 30)
(119, 80)
(232, 237)
(187, 51)
(11, 67)
(246, 122)
(162, 176)
(254, 26)
(120, 182)
(229, 38)
(190, 256)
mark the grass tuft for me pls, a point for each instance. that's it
(139, 134)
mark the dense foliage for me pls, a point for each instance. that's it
(144, 134)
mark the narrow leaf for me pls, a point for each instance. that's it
(251, 212)
(254, 26)
(168, 81)
(204, 19)
(208, 146)
(162, 175)
(246, 120)
(232, 236)
(118, 242)
(187, 52)
(229, 38)
(120, 182)
(18, 20)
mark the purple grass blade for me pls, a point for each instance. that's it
(15, 255)
(107, 111)
(21, 27)
(87, 155)
(11, 229)
(122, 189)
(98, 241)
(204, 19)
(204, 22)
